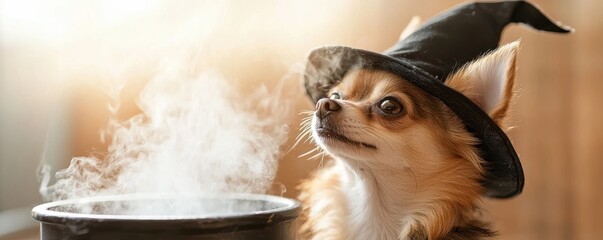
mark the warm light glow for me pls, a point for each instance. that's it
(90, 37)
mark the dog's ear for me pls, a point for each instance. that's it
(488, 81)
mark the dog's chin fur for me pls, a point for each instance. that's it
(412, 176)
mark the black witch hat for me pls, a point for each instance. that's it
(426, 57)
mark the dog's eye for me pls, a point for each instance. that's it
(335, 95)
(390, 106)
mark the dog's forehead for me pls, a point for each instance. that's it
(367, 83)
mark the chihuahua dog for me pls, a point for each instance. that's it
(403, 165)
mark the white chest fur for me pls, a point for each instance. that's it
(370, 212)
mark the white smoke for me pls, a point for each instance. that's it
(195, 135)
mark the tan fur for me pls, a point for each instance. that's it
(324, 185)
(422, 178)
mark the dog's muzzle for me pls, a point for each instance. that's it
(326, 106)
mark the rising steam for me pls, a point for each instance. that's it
(195, 135)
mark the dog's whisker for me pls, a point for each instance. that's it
(304, 132)
(311, 151)
(306, 112)
(322, 160)
(320, 154)
(297, 141)
(306, 121)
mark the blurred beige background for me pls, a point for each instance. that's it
(57, 58)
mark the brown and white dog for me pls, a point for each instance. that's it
(404, 166)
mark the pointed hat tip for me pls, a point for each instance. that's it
(567, 29)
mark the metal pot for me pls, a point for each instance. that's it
(169, 216)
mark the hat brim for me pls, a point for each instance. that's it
(504, 175)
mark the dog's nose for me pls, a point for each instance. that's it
(325, 106)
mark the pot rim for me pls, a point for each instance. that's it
(43, 212)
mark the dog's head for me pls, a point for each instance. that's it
(374, 119)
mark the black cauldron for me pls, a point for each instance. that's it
(169, 216)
